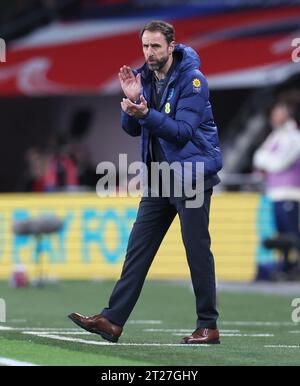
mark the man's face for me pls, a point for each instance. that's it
(156, 49)
(279, 116)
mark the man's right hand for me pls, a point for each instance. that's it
(131, 85)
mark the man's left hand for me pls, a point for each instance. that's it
(137, 110)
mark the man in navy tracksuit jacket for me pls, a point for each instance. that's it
(167, 105)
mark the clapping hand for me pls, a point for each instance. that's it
(131, 84)
(137, 110)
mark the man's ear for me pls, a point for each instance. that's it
(171, 47)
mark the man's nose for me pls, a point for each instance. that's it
(150, 51)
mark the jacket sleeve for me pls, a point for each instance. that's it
(280, 159)
(189, 113)
(130, 125)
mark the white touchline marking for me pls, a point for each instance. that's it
(12, 362)
(295, 332)
(249, 335)
(2, 328)
(92, 342)
(183, 330)
(47, 329)
(281, 346)
(241, 323)
(56, 332)
(144, 322)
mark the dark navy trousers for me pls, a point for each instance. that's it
(287, 218)
(155, 215)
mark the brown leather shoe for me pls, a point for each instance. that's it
(202, 336)
(98, 325)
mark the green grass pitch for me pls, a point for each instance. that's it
(256, 329)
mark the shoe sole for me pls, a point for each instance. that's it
(211, 342)
(103, 334)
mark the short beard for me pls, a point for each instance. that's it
(159, 65)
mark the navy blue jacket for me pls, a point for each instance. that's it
(184, 122)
